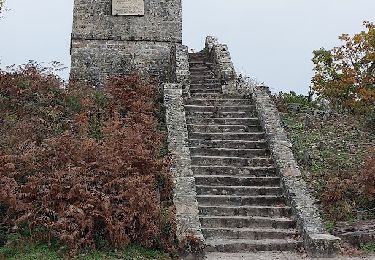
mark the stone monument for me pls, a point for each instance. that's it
(116, 37)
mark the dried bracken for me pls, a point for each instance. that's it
(82, 165)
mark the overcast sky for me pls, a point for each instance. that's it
(271, 40)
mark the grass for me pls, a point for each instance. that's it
(368, 248)
(44, 252)
(333, 147)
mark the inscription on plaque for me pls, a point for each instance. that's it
(128, 7)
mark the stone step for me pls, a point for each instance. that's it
(249, 233)
(224, 128)
(199, 62)
(248, 153)
(200, 70)
(231, 161)
(222, 121)
(201, 91)
(231, 171)
(199, 76)
(218, 102)
(254, 136)
(239, 190)
(234, 144)
(205, 85)
(200, 81)
(205, 95)
(199, 65)
(196, 55)
(238, 108)
(248, 245)
(246, 222)
(240, 200)
(260, 211)
(224, 180)
(231, 114)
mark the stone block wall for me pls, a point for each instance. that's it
(318, 243)
(185, 196)
(104, 45)
(219, 55)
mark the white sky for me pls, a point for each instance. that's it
(271, 40)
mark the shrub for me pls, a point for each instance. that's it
(282, 100)
(344, 195)
(345, 74)
(367, 177)
(81, 165)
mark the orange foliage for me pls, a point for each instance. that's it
(342, 195)
(345, 75)
(81, 165)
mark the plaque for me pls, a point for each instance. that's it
(128, 7)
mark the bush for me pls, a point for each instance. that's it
(282, 100)
(345, 74)
(81, 165)
(343, 195)
(367, 177)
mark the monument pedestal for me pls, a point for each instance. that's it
(117, 37)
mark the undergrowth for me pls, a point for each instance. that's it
(82, 168)
(31, 251)
(337, 155)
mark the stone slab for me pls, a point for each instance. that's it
(128, 7)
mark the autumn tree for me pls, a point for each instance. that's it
(345, 75)
(1, 5)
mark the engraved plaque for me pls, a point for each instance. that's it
(128, 7)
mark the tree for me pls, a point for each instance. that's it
(345, 75)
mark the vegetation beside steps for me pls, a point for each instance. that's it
(333, 136)
(336, 151)
(45, 252)
(82, 169)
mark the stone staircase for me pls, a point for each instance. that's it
(240, 199)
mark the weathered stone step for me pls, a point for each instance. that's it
(248, 233)
(202, 91)
(199, 62)
(232, 171)
(196, 55)
(235, 144)
(199, 81)
(260, 211)
(218, 102)
(248, 222)
(206, 95)
(227, 136)
(239, 190)
(205, 85)
(223, 128)
(248, 245)
(226, 108)
(248, 153)
(222, 120)
(199, 66)
(240, 200)
(231, 161)
(199, 76)
(231, 114)
(200, 69)
(224, 180)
